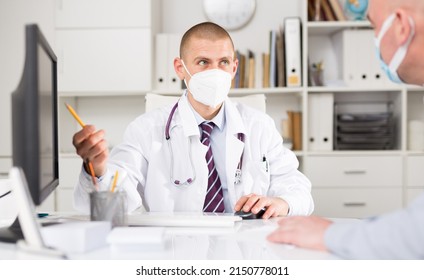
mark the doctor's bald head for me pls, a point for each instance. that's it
(204, 31)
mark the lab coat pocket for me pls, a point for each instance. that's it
(259, 173)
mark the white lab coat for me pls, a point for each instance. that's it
(143, 160)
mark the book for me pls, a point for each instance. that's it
(242, 67)
(272, 58)
(337, 9)
(281, 65)
(265, 70)
(328, 11)
(250, 80)
(295, 128)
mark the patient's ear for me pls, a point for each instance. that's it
(403, 26)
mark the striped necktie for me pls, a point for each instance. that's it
(214, 200)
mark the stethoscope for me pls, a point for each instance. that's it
(189, 181)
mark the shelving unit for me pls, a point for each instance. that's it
(345, 183)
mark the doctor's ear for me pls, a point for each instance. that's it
(179, 68)
(235, 66)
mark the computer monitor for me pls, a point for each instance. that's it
(35, 122)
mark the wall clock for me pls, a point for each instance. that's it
(230, 14)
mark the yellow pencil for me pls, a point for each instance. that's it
(93, 175)
(90, 165)
(115, 179)
(74, 114)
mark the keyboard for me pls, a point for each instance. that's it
(179, 219)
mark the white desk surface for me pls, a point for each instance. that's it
(246, 240)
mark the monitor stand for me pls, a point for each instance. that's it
(25, 231)
(11, 234)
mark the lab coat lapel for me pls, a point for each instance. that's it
(234, 148)
(188, 121)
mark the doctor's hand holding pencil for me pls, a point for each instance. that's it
(91, 146)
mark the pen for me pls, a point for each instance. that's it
(266, 162)
(82, 124)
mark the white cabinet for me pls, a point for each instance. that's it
(105, 46)
(356, 202)
(354, 171)
(355, 186)
(104, 50)
(104, 60)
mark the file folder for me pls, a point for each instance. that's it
(167, 49)
(320, 121)
(292, 33)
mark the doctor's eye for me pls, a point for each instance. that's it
(225, 62)
(202, 62)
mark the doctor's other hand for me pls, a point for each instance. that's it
(306, 232)
(91, 146)
(275, 206)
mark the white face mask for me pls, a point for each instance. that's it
(209, 87)
(399, 56)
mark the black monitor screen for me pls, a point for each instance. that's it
(46, 119)
(34, 117)
(35, 124)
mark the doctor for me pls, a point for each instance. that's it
(162, 160)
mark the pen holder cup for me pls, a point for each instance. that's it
(316, 78)
(109, 206)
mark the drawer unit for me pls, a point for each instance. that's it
(356, 203)
(354, 171)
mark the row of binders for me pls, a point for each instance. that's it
(281, 65)
(325, 10)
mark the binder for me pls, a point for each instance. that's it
(320, 121)
(370, 63)
(281, 65)
(167, 48)
(174, 40)
(272, 58)
(292, 32)
(355, 52)
(346, 47)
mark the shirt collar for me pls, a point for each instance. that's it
(218, 120)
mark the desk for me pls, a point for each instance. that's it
(246, 240)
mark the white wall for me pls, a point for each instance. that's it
(13, 16)
(179, 16)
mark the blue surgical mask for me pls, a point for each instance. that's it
(391, 69)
